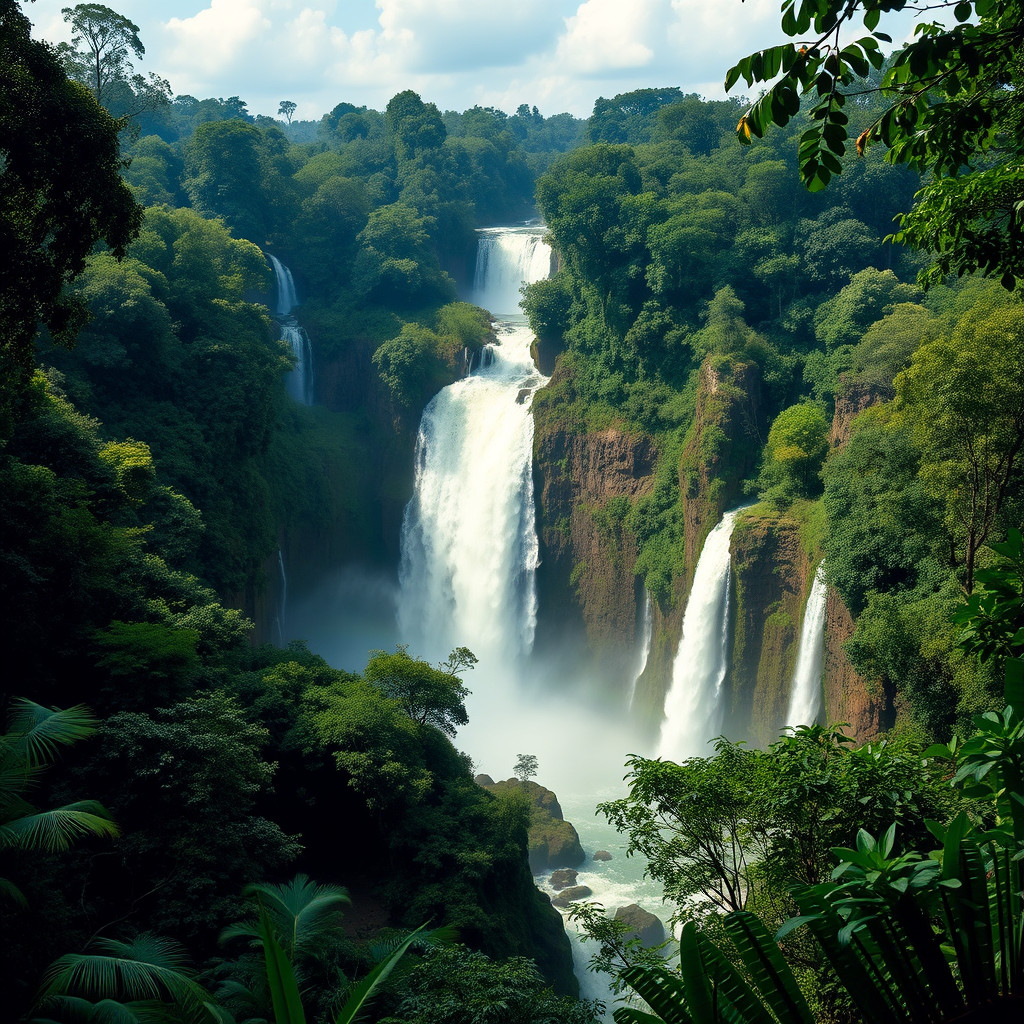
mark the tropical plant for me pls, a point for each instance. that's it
(144, 979)
(876, 920)
(34, 734)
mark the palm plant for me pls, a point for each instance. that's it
(293, 921)
(31, 743)
(913, 939)
(141, 980)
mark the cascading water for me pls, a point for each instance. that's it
(469, 543)
(300, 380)
(282, 608)
(805, 692)
(646, 631)
(692, 712)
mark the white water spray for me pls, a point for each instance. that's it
(300, 380)
(469, 542)
(805, 692)
(693, 715)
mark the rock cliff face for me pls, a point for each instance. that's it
(867, 707)
(554, 842)
(584, 483)
(771, 579)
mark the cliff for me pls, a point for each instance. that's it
(721, 449)
(771, 580)
(554, 842)
(585, 482)
(865, 705)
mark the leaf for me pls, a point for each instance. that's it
(366, 989)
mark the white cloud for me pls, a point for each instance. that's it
(217, 35)
(606, 35)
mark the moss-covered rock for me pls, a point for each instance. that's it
(554, 843)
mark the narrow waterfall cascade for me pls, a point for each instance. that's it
(469, 546)
(282, 607)
(646, 631)
(300, 380)
(805, 694)
(692, 712)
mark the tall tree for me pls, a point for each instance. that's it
(102, 44)
(963, 398)
(61, 191)
(287, 110)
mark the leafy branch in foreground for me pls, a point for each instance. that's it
(952, 105)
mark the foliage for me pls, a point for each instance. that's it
(61, 193)
(29, 745)
(949, 109)
(874, 919)
(796, 448)
(102, 44)
(456, 985)
(730, 832)
(526, 767)
(963, 399)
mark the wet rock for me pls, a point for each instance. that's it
(602, 855)
(562, 878)
(642, 924)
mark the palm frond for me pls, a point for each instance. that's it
(10, 893)
(301, 910)
(36, 731)
(149, 968)
(58, 829)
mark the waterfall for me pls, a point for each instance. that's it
(646, 631)
(469, 546)
(508, 258)
(692, 712)
(300, 380)
(805, 692)
(282, 608)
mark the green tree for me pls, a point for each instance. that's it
(103, 42)
(287, 110)
(61, 192)
(949, 107)
(428, 695)
(796, 449)
(526, 767)
(963, 400)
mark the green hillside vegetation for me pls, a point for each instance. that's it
(151, 460)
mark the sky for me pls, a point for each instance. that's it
(557, 55)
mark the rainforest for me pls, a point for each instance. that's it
(462, 567)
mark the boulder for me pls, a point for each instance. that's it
(642, 924)
(572, 894)
(602, 855)
(562, 878)
(483, 780)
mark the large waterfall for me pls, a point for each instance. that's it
(805, 693)
(469, 542)
(692, 712)
(300, 381)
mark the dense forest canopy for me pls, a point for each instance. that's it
(765, 339)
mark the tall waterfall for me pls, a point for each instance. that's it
(646, 633)
(469, 546)
(692, 712)
(300, 380)
(282, 608)
(805, 692)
